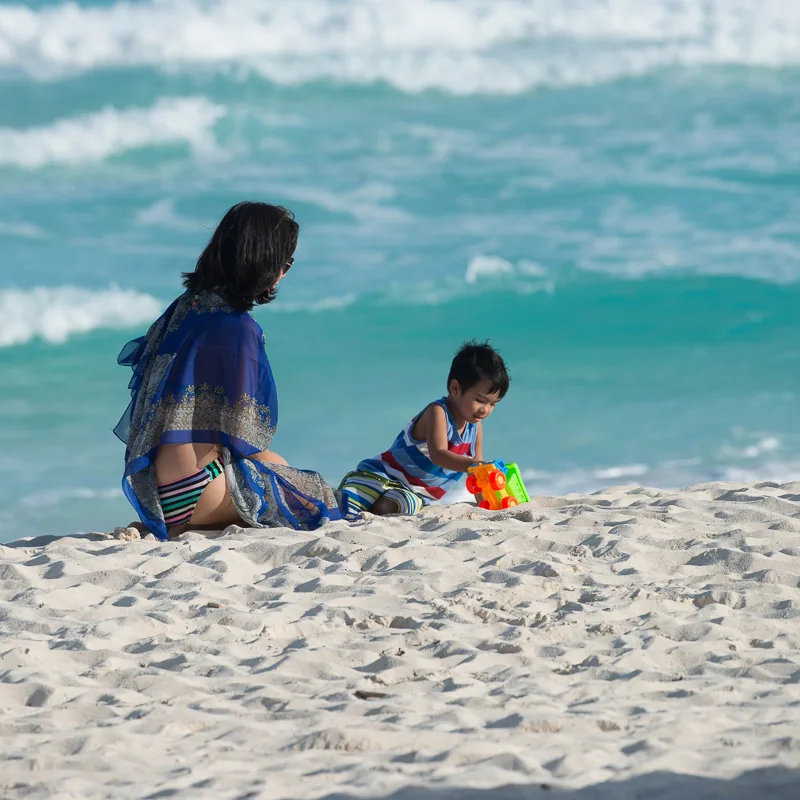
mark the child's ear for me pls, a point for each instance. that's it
(454, 387)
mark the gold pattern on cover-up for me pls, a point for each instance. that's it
(209, 303)
(204, 408)
(200, 303)
(145, 488)
(207, 408)
(245, 500)
(290, 484)
(153, 380)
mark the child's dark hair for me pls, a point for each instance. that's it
(479, 361)
(247, 254)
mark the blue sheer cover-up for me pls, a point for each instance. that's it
(201, 375)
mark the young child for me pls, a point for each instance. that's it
(433, 451)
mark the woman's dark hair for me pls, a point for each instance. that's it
(249, 251)
(479, 361)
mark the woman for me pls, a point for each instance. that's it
(203, 401)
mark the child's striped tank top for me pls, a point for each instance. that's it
(407, 460)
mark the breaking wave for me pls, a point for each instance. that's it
(54, 314)
(457, 46)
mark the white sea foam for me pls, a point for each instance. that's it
(162, 214)
(99, 135)
(482, 266)
(775, 471)
(57, 497)
(622, 472)
(56, 313)
(460, 46)
(21, 229)
(526, 277)
(764, 445)
(369, 203)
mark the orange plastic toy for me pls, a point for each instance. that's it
(489, 481)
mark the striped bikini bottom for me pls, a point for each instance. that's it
(179, 498)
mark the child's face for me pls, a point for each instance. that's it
(475, 403)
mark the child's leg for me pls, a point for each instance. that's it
(385, 505)
(362, 490)
(397, 501)
(368, 492)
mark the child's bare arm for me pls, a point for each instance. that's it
(479, 443)
(435, 427)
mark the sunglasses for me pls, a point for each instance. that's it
(288, 266)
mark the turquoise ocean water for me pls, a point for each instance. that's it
(607, 189)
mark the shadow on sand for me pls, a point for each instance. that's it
(773, 783)
(43, 541)
(75, 538)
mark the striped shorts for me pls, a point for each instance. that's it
(364, 489)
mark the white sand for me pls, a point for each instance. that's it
(629, 636)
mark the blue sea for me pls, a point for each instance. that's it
(608, 190)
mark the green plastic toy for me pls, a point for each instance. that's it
(515, 484)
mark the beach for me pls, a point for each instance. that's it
(628, 643)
